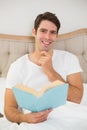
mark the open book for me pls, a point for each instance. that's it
(50, 96)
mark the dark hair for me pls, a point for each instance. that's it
(46, 16)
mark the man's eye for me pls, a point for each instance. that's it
(53, 32)
(43, 30)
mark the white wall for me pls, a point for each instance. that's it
(17, 16)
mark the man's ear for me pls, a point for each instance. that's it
(33, 32)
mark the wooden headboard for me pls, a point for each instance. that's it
(12, 47)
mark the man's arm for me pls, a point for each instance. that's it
(74, 80)
(13, 114)
(75, 87)
(75, 91)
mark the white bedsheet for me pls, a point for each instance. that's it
(68, 117)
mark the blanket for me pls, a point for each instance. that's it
(68, 117)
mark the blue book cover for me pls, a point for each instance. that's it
(51, 96)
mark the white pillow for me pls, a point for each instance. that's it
(2, 91)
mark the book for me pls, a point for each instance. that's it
(50, 96)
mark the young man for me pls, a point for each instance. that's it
(41, 67)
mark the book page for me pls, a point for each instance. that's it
(39, 93)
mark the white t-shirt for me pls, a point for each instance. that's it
(25, 72)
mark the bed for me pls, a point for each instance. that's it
(68, 117)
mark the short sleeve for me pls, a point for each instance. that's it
(74, 65)
(13, 76)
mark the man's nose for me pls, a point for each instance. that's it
(48, 35)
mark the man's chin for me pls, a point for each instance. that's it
(45, 48)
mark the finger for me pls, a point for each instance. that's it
(45, 112)
(41, 113)
(41, 116)
(38, 114)
(44, 53)
(42, 61)
(38, 120)
(44, 117)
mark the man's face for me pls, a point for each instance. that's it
(45, 36)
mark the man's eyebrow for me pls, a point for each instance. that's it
(43, 29)
(54, 31)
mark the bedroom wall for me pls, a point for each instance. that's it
(17, 16)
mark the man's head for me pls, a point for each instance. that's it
(45, 31)
(46, 16)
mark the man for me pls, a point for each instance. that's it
(41, 67)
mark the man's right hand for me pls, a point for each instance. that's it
(37, 117)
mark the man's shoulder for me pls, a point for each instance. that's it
(65, 55)
(20, 61)
(63, 52)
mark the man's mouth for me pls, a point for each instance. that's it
(46, 43)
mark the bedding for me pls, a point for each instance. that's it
(68, 117)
